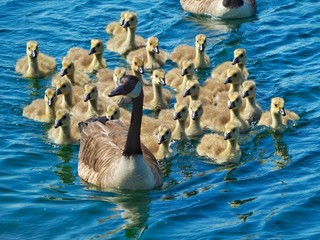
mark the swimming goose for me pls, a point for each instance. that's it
(91, 61)
(111, 156)
(197, 54)
(42, 110)
(126, 42)
(71, 95)
(239, 60)
(161, 147)
(64, 131)
(195, 129)
(155, 97)
(69, 72)
(221, 149)
(252, 111)
(151, 55)
(224, 9)
(91, 106)
(277, 117)
(116, 28)
(177, 78)
(35, 64)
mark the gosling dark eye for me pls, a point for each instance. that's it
(156, 76)
(276, 105)
(167, 132)
(69, 66)
(131, 19)
(194, 87)
(63, 85)
(64, 117)
(241, 55)
(93, 90)
(235, 75)
(190, 67)
(29, 48)
(205, 41)
(251, 89)
(98, 45)
(237, 100)
(116, 112)
(233, 130)
(183, 110)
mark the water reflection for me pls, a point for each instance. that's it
(281, 149)
(133, 208)
(64, 170)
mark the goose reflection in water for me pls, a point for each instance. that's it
(64, 170)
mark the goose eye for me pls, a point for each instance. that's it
(235, 75)
(190, 67)
(116, 112)
(194, 87)
(28, 48)
(276, 105)
(63, 85)
(251, 89)
(167, 132)
(131, 19)
(135, 63)
(156, 76)
(183, 110)
(98, 45)
(241, 55)
(93, 90)
(69, 66)
(64, 117)
(237, 100)
(233, 130)
(205, 41)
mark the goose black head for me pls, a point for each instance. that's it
(129, 86)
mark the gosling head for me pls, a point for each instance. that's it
(50, 96)
(239, 56)
(234, 101)
(180, 112)
(96, 46)
(231, 132)
(187, 68)
(118, 73)
(90, 92)
(62, 118)
(113, 112)
(130, 20)
(137, 65)
(248, 89)
(192, 89)
(67, 67)
(163, 134)
(196, 110)
(64, 87)
(122, 17)
(277, 106)
(32, 49)
(158, 77)
(130, 86)
(234, 76)
(201, 41)
(153, 45)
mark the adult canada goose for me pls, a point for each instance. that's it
(116, 28)
(177, 78)
(156, 98)
(71, 95)
(64, 131)
(195, 129)
(90, 106)
(197, 54)
(152, 56)
(161, 147)
(35, 64)
(91, 61)
(239, 60)
(69, 72)
(126, 42)
(224, 9)
(277, 117)
(111, 156)
(42, 110)
(252, 111)
(221, 149)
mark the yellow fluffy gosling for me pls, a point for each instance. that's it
(277, 117)
(42, 110)
(71, 95)
(197, 54)
(151, 55)
(35, 64)
(126, 42)
(224, 149)
(116, 28)
(195, 129)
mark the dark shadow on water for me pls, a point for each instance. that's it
(281, 149)
(64, 170)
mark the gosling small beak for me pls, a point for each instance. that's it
(231, 105)
(163, 81)
(156, 50)
(235, 61)
(282, 111)
(201, 47)
(64, 72)
(176, 116)
(161, 139)
(92, 51)
(228, 80)
(125, 24)
(227, 136)
(122, 22)
(87, 97)
(110, 118)
(194, 115)
(58, 124)
(245, 94)
(141, 70)
(34, 54)
(50, 102)
(187, 93)
(184, 72)
(58, 91)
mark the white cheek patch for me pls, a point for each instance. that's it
(136, 91)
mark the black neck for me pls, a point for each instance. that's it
(133, 145)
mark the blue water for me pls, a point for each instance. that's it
(273, 193)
